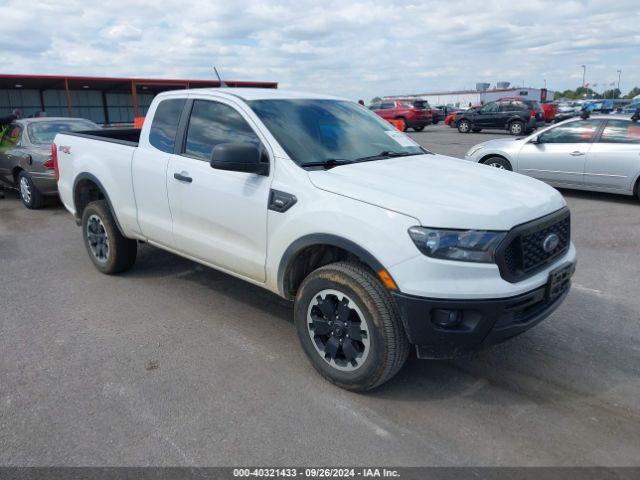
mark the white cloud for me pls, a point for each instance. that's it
(357, 49)
(122, 32)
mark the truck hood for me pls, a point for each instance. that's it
(443, 192)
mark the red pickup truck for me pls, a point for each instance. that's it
(412, 113)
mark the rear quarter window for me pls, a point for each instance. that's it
(165, 124)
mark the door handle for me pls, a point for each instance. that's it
(576, 153)
(183, 177)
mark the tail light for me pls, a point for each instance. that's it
(48, 164)
(532, 113)
(54, 160)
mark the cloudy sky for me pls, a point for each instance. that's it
(350, 48)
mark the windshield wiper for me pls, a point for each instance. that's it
(329, 163)
(336, 162)
(385, 154)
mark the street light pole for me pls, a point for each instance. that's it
(619, 75)
(584, 74)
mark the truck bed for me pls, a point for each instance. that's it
(123, 136)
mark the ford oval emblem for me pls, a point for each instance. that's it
(550, 243)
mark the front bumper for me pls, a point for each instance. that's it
(482, 322)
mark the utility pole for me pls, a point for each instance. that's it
(584, 74)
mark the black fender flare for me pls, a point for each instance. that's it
(88, 176)
(323, 239)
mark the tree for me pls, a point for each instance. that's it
(578, 93)
(635, 91)
(615, 93)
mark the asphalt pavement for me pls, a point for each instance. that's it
(173, 363)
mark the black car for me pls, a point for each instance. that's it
(514, 115)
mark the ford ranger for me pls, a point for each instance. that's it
(380, 243)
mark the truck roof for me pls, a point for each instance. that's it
(253, 93)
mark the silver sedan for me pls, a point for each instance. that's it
(600, 153)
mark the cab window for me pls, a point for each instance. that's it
(213, 123)
(621, 131)
(165, 124)
(581, 131)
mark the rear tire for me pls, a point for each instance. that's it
(464, 126)
(499, 163)
(29, 193)
(419, 129)
(108, 249)
(349, 327)
(516, 127)
(405, 125)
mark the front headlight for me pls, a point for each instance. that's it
(473, 150)
(463, 245)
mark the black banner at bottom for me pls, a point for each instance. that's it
(408, 473)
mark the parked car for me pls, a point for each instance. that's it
(567, 110)
(450, 120)
(514, 115)
(380, 243)
(631, 108)
(414, 114)
(550, 110)
(439, 114)
(600, 153)
(25, 156)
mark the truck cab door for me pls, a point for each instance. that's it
(149, 172)
(560, 153)
(219, 217)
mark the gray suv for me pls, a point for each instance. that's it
(25, 155)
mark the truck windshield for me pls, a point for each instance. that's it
(45, 131)
(319, 132)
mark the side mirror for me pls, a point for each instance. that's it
(239, 157)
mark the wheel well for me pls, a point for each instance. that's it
(15, 172)
(86, 191)
(309, 259)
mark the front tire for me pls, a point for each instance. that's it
(29, 193)
(349, 327)
(404, 124)
(108, 249)
(499, 163)
(464, 126)
(419, 129)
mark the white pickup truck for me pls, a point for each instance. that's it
(380, 243)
